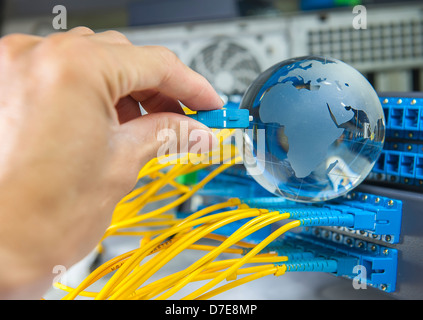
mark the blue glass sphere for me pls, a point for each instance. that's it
(318, 128)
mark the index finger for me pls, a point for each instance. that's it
(136, 69)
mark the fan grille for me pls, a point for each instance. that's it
(229, 67)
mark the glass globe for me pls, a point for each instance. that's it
(318, 128)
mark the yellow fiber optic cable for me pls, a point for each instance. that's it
(215, 266)
(274, 270)
(136, 273)
(139, 196)
(212, 255)
(229, 241)
(160, 285)
(112, 265)
(241, 271)
(230, 203)
(222, 238)
(155, 166)
(148, 233)
(205, 276)
(281, 230)
(165, 195)
(132, 208)
(159, 163)
(143, 252)
(200, 274)
(205, 219)
(167, 207)
(175, 184)
(248, 228)
(202, 247)
(211, 273)
(150, 191)
(98, 273)
(66, 288)
(178, 246)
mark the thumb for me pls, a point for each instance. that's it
(158, 134)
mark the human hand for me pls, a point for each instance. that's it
(74, 140)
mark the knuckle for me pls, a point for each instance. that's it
(117, 36)
(82, 30)
(9, 45)
(167, 60)
(60, 41)
(10, 40)
(166, 55)
(59, 57)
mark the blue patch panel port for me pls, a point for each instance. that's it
(381, 269)
(378, 264)
(392, 161)
(396, 118)
(411, 119)
(419, 167)
(379, 166)
(421, 119)
(408, 165)
(386, 113)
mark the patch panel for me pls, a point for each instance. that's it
(401, 167)
(404, 147)
(400, 162)
(403, 112)
(357, 214)
(387, 213)
(410, 262)
(375, 216)
(379, 263)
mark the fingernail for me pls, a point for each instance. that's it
(223, 103)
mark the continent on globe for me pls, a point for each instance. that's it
(306, 151)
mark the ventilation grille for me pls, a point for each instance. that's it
(228, 66)
(397, 42)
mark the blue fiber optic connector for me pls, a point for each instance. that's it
(379, 263)
(312, 265)
(309, 257)
(379, 216)
(223, 118)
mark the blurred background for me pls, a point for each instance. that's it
(231, 41)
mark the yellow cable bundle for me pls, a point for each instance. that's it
(130, 270)
(129, 286)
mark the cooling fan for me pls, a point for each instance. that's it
(228, 66)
